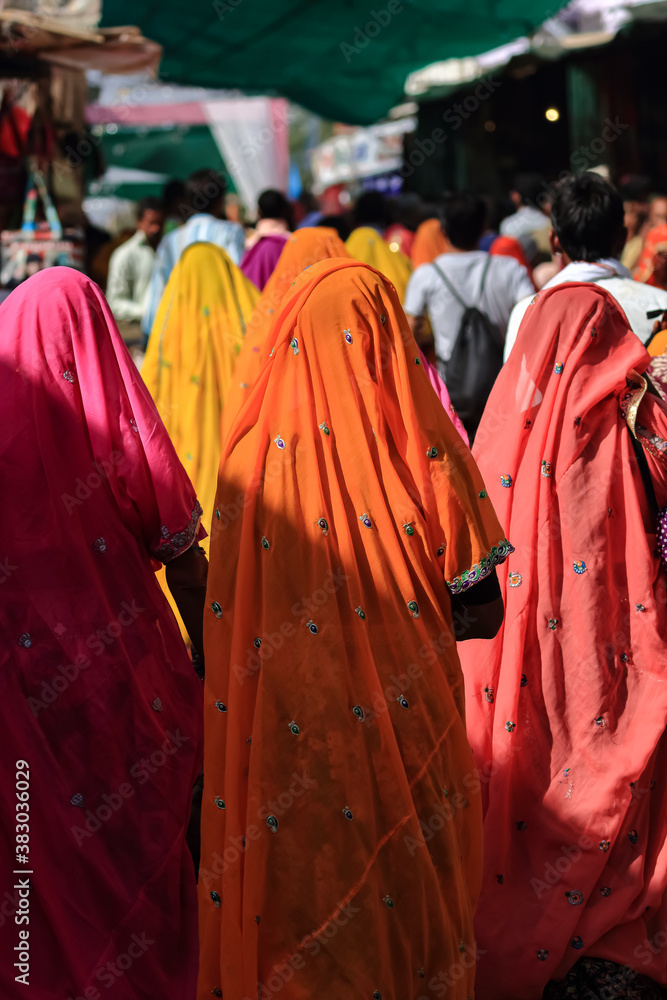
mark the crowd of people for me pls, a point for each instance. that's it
(311, 699)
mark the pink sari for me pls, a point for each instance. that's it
(566, 708)
(100, 705)
(443, 395)
(259, 261)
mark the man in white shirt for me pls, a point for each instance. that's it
(505, 281)
(587, 219)
(204, 208)
(131, 269)
(529, 224)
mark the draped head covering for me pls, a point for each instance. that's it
(98, 695)
(259, 261)
(508, 246)
(366, 244)
(429, 242)
(341, 817)
(302, 249)
(566, 706)
(656, 242)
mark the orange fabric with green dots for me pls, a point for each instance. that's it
(302, 249)
(346, 725)
(429, 242)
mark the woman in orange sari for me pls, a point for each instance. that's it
(567, 715)
(302, 249)
(429, 243)
(341, 818)
(652, 267)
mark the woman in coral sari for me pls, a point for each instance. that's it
(100, 706)
(188, 369)
(341, 816)
(429, 243)
(567, 715)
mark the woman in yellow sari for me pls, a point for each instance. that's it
(366, 244)
(197, 335)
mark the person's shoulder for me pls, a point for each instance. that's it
(423, 274)
(230, 227)
(506, 267)
(640, 289)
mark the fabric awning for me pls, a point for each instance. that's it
(346, 61)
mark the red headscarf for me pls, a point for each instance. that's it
(508, 246)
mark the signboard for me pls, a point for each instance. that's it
(362, 153)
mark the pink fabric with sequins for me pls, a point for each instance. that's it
(98, 695)
(572, 749)
(443, 395)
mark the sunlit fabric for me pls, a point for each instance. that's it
(341, 818)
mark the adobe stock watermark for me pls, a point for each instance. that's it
(553, 873)
(454, 118)
(582, 159)
(364, 35)
(84, 487)
(312, 944)
(222, 7)
(442, 982)
(237, 846)
(113, 801)
(264, 646)
(108, 974)
(97, 642)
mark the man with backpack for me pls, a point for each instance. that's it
(468, 296)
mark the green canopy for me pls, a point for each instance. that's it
(345, 60)
(171, 151)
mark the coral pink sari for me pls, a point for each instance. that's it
(566, 708)
(98, 695)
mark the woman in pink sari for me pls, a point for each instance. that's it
(100, 714)
(259, 260)
(566, 708)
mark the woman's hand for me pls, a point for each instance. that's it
(186, 578)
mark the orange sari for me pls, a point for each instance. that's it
(341, 820)
(303, 248)
(567, 705)
(429, 243)
(656, 242)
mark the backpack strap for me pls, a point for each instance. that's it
(450, 286)
(484, 274)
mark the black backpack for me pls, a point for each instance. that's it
(475, 361)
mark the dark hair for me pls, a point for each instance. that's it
(372, 209)
(173, 193)
(203, 190)
(341, 223)
(149, 204)
(273, 204)
(463, 219)
(587, 216)
(530, 188)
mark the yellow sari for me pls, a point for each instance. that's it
(366, 244)
(196, 336)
